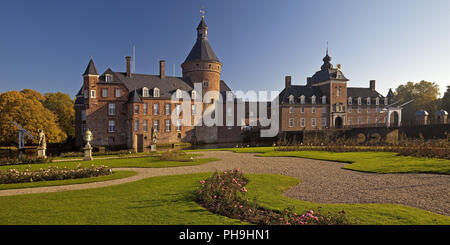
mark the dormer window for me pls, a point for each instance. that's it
(313, 99)
(324, 99)
(302, 99)
(368, 100)
(359, 100)
(156, 92)
(291, 99)
(145, 92)
(108, 78)
(349, 100)
(178, 94)
(229, 96)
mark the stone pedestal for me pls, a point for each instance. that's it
(87, 153)
(153, 147)
(41, 152)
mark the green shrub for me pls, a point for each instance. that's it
(178, 156)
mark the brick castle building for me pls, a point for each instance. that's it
(120, 108)
(326, 102)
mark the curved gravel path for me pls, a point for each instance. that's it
(321, 181)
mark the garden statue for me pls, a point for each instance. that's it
(42, 145)
(87, 148)
(154, 138)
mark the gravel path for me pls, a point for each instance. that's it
(321, 181)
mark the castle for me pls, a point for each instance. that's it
(121, 108)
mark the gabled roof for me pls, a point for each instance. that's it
(134, 97)
(390, 93)
(90, 69)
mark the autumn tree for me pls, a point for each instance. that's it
(425, 95)
(63, 106)
(30, 113)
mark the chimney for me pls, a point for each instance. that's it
(287, 81)
(372, 85)
(128, 58)
(162, 69)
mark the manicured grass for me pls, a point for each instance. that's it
(268, 190)
(170, 200)
(375, 162)
(114, 175)
(140, 162)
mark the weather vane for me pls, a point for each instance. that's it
(202, 11)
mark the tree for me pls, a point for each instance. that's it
(445, 102)
(33, 94)
(425, 95)
(31, 114)
(63, 106)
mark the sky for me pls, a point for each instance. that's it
(46, 45)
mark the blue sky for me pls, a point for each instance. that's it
(46, 45)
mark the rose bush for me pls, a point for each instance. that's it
(225, 194)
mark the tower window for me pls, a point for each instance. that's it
(206, 84)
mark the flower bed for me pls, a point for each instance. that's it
(225, 194)
(23, 160)
(51, 173)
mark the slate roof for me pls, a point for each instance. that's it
(327, 72)
(299, 90)
(90, 69)
(202, 50)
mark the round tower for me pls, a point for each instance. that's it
(202, 64)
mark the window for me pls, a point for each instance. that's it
(368, 120)
(179, 125)
(302, 110)
(368, 109)
(385, 101)
(83, 115)
(86, 94)
(194, 94)
(93, 94)
(324, 99)
(167, 109)
(136, 125)
(229, 96)
(377, 109)
(291, 110)
(112, 109)
(349, 109)
(155, 109)
(324, 110)
(193, 108)
(302, 99)
(111, 126)
(338, 91)
(313, 99)
(302, 122)
(313, 122)
(368, 100)
(324, 122)
(145, 92)
(291, 99)
(377, 101)
(136, 109)
(349, 100)
(118, 92)
(168, 125)
(359, 120)
(205, 84)
(178, 109)
(156, 125)
(359, 100)
(359, 110)
(145, 107)
(104, 92)
(108, 78)
(349, 121)
(83, 128)
(313, 109)
(144, 125)
(156, 92)
(291, 122)
(178, 94)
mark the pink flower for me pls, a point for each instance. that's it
(214, 196)
(240, 206)
(244, 189)
(202, 182)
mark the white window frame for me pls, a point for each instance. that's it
(313, 122)
(291, 110)
(108, 78)
(349, 100)
(313, 109)
(118, 92)
(193, 110)
(302, 122)
(291, 99)
(324, 99)
(93, 94)
(324, 122)
(145, 108)
(291, 122)
(313, 99)
(105, 92)
(178, 126)
(359, 101)
(156, 109)
(136, 125)
(302, 110)
(302, 99)
(156, 125)
(145, 125)
(368, 100)
(156, 93)
(145, 92)
(168, 125)
(167, 109)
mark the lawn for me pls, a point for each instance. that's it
(135, 162)
(374, 162)
(170, 200)
(114, 175)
